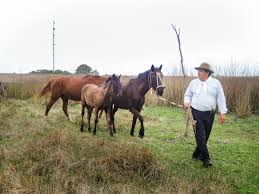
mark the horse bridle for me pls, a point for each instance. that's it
(158, 77)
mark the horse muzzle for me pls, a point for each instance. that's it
(160, 90)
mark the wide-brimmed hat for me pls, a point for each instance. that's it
(205, 66)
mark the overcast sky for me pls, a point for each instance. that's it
(126, 36)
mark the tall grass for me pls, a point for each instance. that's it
(22, 90)
(240, 84)
(242, 93)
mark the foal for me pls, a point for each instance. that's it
(99, 97)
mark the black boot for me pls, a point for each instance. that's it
(196, 155)
(199, 157)
(207, 163)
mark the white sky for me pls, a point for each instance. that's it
(126, 36)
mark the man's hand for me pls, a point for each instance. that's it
(222, 118)
(187, 105)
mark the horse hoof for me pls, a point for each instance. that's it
(140, 136)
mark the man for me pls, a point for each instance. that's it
(202, 95)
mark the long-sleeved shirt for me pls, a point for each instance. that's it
(205, 95)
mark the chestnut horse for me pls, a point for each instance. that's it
(67, 88)
(133, 95)
(99, 98)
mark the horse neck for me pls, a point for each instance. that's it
(139, 84)
(143, 83)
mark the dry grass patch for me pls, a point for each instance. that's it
(59, 163)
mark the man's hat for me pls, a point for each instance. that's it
(205, 66)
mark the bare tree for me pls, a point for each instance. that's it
(177, 32)
(188, 114)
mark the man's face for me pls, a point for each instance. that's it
(202, 74)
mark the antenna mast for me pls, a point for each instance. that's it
(53, 46)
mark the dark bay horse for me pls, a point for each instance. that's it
(67, 88)
(99, 98)
(133, 95)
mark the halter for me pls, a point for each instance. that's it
(158, 77)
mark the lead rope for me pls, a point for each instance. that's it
(188, 113)
(188, 116)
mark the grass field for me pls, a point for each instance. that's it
(39, 155)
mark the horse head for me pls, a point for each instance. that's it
(115, 85)
(155, 80)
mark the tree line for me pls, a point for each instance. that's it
(81, 69)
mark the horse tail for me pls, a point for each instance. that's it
(45, 89)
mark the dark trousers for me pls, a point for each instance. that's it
(202, 133)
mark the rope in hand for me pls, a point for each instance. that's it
(188, 115)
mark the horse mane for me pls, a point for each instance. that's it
(104, 84)
(143, 75)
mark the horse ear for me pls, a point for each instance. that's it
(160, 67)
(119, 76)
(108, 79)
(152, 68)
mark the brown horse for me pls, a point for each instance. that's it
(133, 95)
(68, 88)
(99, 98)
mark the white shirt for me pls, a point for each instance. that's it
(205, 95)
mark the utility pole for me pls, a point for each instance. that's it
(53, 46)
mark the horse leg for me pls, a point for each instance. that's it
(65, 103)
(89, 114)
(113, 111)
(109, 120)
(138, 115)
(49, 105)
(96, 119)
(141, 131)
(133, 125)
(82, 114)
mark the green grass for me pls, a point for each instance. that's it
(52, 156)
